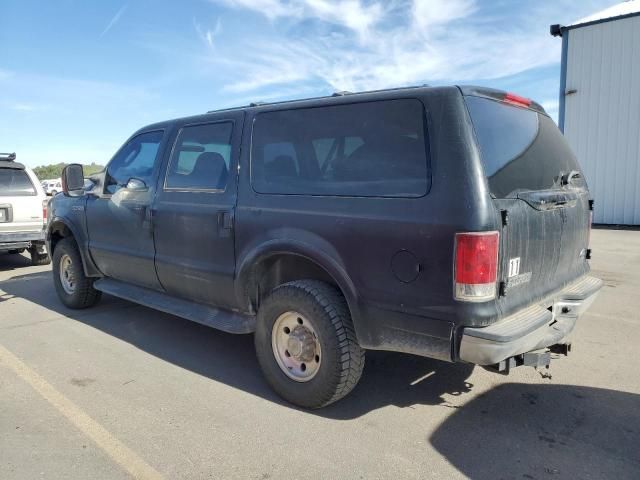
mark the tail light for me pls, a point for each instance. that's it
(516, 100)
(476, 266)
(45, 206)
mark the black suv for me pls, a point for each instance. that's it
(449, 222)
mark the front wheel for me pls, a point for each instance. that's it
(74, 288)
(306, 344)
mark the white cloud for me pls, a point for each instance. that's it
(114, 20)
(208, 35)
(386, 43)
(360, 45)
(353, 15)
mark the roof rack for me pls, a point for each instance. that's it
(8, 157)
(339, 93)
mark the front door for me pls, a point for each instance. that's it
(194, 212)
(118, 216)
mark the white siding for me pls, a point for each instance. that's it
(602, 120)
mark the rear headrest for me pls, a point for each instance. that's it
(209, 171)
(282, 166)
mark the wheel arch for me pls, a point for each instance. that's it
(59, 229)
(276, 262)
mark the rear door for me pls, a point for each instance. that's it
(539, 193)
(20, 203)
(194, 210)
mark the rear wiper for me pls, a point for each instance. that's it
(567, 178)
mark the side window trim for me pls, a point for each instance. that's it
(156, 164)
(171, 159)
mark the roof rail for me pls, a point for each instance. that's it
(339, 93)
(8, 157)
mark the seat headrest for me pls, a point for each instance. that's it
(209, 171)
(282, 166)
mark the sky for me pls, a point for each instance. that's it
(78, 77)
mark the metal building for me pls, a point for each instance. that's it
(600, 107)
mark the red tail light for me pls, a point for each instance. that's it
(45, 205)
(476, 266)
(516, 100)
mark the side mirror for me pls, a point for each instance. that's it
(136, 185)
(72, 179)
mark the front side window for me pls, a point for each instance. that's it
(364, 149)
(15, 183)
(201, 158)
(135, 160)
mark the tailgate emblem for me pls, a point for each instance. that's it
(514, 266)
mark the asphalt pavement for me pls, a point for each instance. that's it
(122, 391)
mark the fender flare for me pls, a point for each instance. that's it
(309, 252)
(88, 265)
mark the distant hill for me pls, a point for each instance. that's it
(46, 172)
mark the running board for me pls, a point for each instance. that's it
(225, 320)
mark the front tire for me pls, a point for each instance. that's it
(74, 288)
(306, 344)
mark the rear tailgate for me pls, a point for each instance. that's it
(20, 204)
(540, 194)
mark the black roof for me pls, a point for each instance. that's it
(7, 160)
(337, 98)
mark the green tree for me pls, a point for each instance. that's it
(46, 172)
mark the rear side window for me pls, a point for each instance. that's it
(15, 183)
(366, 149)
(521, 150)
(201, 158)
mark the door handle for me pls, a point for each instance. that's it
(225, 220)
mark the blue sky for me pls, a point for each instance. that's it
(78, 77)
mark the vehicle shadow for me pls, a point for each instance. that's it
(388, 379)
(12, 261)
(544, 431)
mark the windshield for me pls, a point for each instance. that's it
(521, 150)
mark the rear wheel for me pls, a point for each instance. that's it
(39, 255)
(306, 344)
(74, 288)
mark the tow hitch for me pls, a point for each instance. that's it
(536, 359)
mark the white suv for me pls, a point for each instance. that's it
(23, 210)
(52, 187)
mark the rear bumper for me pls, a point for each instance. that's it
(16, 240)
(530, 329)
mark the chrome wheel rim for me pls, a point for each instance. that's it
(296, 346)
(67, 277)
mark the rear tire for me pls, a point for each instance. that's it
(38, 258)
(323, 337)
(74, 288)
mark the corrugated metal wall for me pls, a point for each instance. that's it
(602, 119)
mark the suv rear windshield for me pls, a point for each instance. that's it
(521, 150)
(15, 183)
(370, 149)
